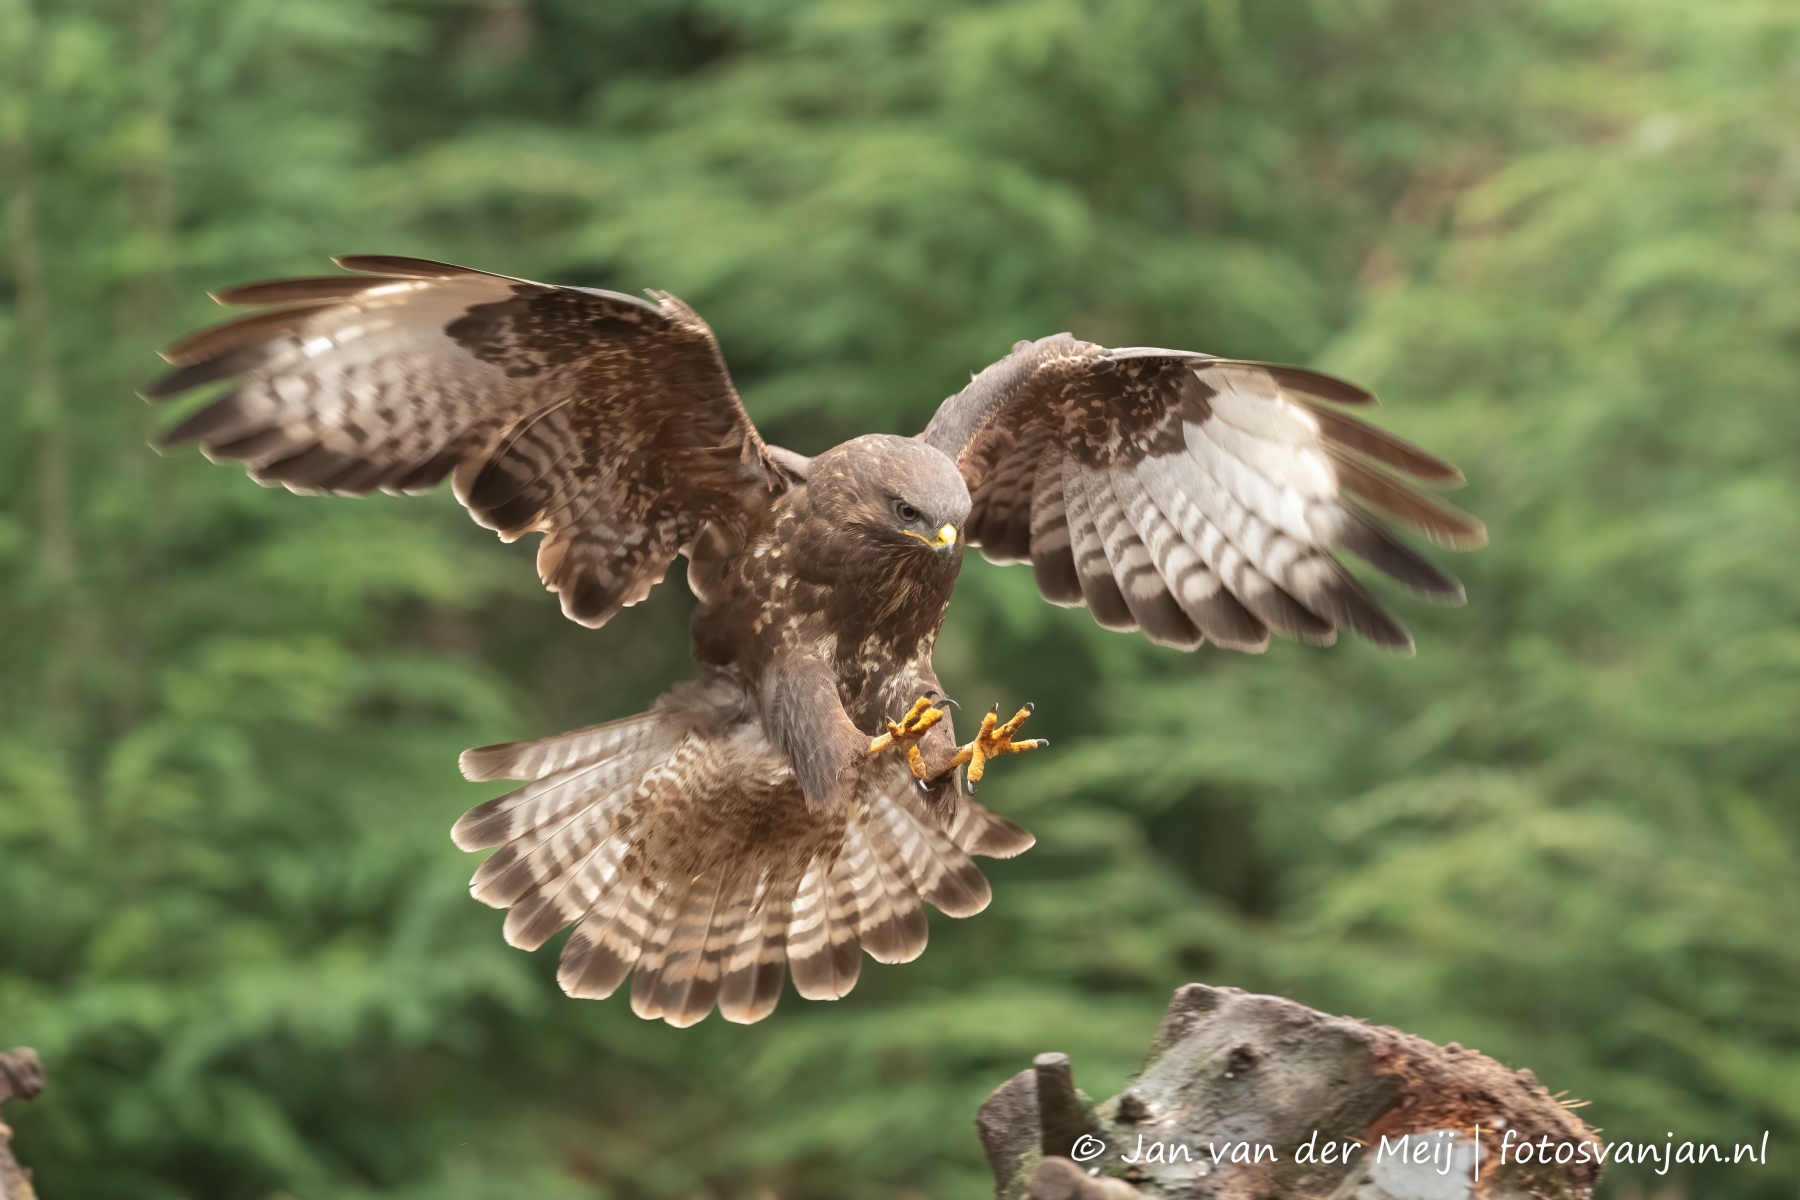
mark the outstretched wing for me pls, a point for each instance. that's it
(1192, 497)
(605, 422)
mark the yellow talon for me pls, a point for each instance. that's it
(992, 741)
(919, 719)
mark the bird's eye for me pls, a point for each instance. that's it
(907, 512)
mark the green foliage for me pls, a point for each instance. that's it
(1557, 235)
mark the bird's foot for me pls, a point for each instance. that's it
(992, 741)
(926, 712)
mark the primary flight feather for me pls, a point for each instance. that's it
(796, 804)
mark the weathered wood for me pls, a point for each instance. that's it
(1064, 1115)
(21, 1078)
(1248, 1097)
(1060, 1179)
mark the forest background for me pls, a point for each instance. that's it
(1558, 236)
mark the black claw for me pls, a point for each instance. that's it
(930, 692)
(1043, 743)
(996, 709)
(953, 704)
(1030, 707)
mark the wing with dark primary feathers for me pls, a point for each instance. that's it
(605, 422)
(1193, 497)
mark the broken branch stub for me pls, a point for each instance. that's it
(1247, 1097)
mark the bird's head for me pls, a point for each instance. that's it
(904, 496)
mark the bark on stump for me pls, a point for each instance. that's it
(21, 1078)
(1230, 1074)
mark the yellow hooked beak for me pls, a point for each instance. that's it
(946, 537)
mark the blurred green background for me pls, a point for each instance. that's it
(1558, 236)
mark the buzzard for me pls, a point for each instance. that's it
(795, 804)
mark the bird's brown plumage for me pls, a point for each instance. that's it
(741, 827)
(1192, 497)
(600, 420)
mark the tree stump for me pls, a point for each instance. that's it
(21, 1078)
(1248, 1097)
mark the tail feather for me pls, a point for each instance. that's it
(606, 945)
(891, 922)
(505, 819)
(980, 830)
(541, 858)
(539, 916)
(920, 853)
(546, 756)
(679, 846)
(756, 965)
(690, 999)
(654, 949)
(681, 984)
(824, 956)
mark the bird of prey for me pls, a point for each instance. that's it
(795, 804)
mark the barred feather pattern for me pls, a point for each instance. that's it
(1194, 498)
(606, 422)
(679, 846)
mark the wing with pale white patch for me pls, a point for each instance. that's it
(1195, 498)
(603, 421)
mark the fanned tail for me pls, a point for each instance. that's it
(680, 847)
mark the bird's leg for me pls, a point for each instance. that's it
(919, 719)
(992, 741)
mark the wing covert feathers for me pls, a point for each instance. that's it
(605, 422)
(678, 845)
(1192, 497)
